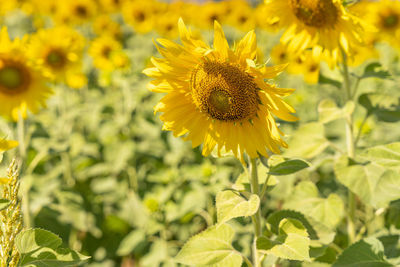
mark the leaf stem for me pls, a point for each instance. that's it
(256, 218)
(350, 150)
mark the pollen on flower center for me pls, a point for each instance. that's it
(315, 13)
(224, 91)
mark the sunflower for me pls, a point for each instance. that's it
(140, 15)
(218, 96)
(324, 23)
(58, 51)
(107, 54)
(22, 87)
(76, 11)
(103, 24)
(385, 15)
(242, 15)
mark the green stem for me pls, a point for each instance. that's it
(350, 151)
(265, 187)
(256, 218)
(22, 151)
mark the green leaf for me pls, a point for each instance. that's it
(305, 198)
(212, 248)
(315, 229)
(365, 253)
(325, 80)
(375, 70)
(308, 141)
(292, 242)
(328, 110)
(232, 205)
(41, 248)
(4, 203)
(385, 107)
(288, 167)
(129, 243)
(374, 184)
(384, 155)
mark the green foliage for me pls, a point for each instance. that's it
(231, 205)
(288, 167)
(328, 110)
(291, 243)
(328, 211)
(386, 108)
(211, 247)
(42, 248)
(375, 70)
(4, 203)
(365, 253)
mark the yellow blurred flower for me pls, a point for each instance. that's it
(205, 14)
(107, 53)
(22, 87)
(76, 11)
(242, 15)
(217, 96)
(7, 145)
(140, 15)
(104, 25)
(324, 23)
(58, 51)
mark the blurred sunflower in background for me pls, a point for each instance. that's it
(59, 52)
(107, 54)
(22, 86)
(218, 96)
(323, 23)
(76, 11)
(140, 15)
(385, 16)
(104, 25)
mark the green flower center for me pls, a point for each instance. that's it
(55, 59)
(391, 21)
(11, 78)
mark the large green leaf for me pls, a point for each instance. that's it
(374, 184)
(315, 229)
(328, 110)
(365, 253)
(305, 198)
(308, 141)
(292, 242)
(384, 155)
(42, 248)
(211, 248)
(231, 205)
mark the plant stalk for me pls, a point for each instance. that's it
(350, 144)
(256, 218)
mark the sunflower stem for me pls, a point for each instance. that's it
(350, 143)
(22, 153)
(256, 218)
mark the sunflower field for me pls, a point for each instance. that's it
(233, 133)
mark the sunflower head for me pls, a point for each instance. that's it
(22, 87)
(217, 96)
(313, 13)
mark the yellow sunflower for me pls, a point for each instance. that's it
(22, 87)
(58, 51)
(218, 96)
(104, 25)
(107, 54)
(242, 15)
(76, 11)
(385, 15)
(324, 23)
(140, 15)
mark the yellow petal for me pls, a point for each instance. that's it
(7, 144)
(220, 43)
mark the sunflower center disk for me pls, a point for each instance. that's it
(224, 91)
(315, 13)
(391, 21)
(10, 78)
(55, 59)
